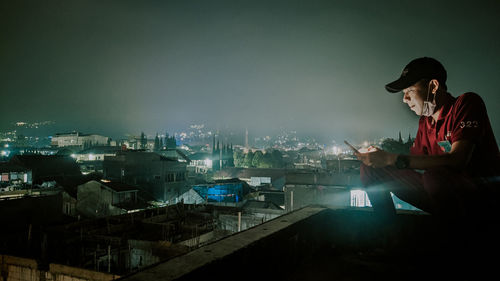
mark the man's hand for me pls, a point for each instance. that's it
(377, 158)
(458, 158)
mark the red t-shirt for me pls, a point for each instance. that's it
(462, 118)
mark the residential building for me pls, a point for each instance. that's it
(105, 198)
(174, 153)
(162, 177)
(201, 162)
(47, 167)
(77, 139)
(91, 159)
(223, 191)
(12, 174)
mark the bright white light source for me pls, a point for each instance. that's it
(359, 198)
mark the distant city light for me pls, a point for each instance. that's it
(336, 150)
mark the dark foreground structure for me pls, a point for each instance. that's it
(320, 243)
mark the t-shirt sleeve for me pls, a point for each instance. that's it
(470, 118)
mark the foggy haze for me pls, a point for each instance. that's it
(318, 67)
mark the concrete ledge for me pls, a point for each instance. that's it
(209, 254)
(17, 268)
(320, 243)
(79, 273)
(18, 261)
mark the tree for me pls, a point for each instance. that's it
(267, 161)
(157, 143)
(170, 141)
(239, 158)
(277, 159)
(257, 159)
(247, 162)
(409, 139)
(394, 146)
(144, 141)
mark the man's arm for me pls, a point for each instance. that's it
(457, 158)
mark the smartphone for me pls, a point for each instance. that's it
(351, 146)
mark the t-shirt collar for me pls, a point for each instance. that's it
(448, 102)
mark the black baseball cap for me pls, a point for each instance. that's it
(416, 70)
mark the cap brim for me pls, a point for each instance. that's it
(398, 85)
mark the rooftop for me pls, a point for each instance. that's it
(73, 134)
(100, 150)
(320, 243)
(6, 167)
(119, 186)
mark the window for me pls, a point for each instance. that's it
(180, 176)
(169, 177)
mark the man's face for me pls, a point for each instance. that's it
(415, 96)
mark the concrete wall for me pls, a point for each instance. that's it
(199, 240)
(304, 195)
(149, 171)
(95, 201)
(69, 204)
(141, 254)
(22, 269)
(264, 214)
(191, 197)
(230, 222)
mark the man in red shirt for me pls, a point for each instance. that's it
(453, 169)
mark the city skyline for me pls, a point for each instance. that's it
(318, 67)
(195, 134)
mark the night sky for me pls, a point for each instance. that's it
(318, 67)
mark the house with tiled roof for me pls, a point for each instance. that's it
(106, 198)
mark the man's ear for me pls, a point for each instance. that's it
(434, 85)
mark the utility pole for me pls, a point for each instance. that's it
(239, 221)
(109, 258)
